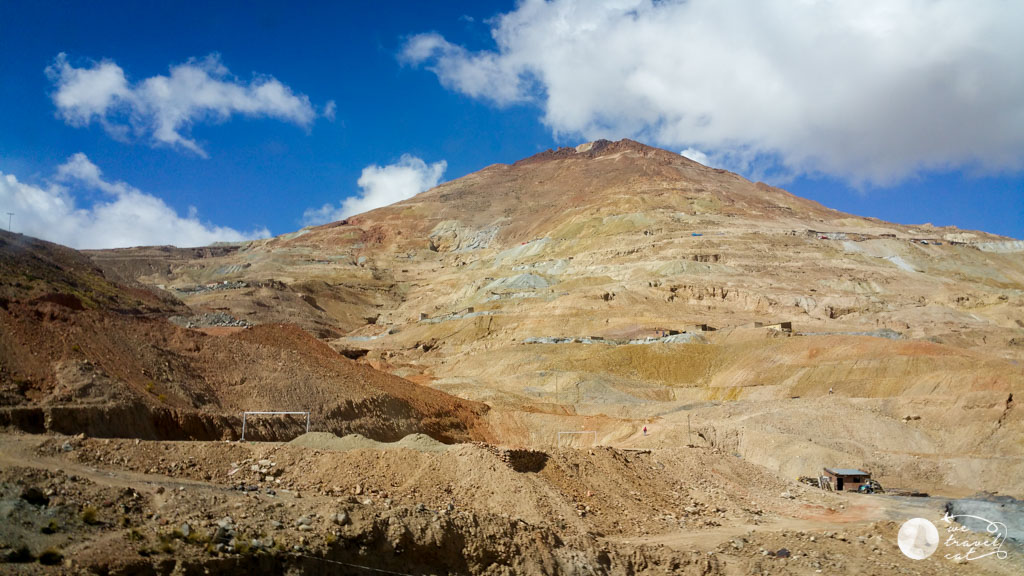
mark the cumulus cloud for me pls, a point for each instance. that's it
(483, 75)
(870, 91)
(696, 156)
(164, 108)
(124, 217)
(382, 185)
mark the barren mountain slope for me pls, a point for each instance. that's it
(552, 288)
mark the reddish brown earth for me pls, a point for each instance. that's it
(82, 354)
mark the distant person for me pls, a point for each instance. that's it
(829, 389)
(645, 430)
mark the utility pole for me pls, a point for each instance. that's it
(9, 216)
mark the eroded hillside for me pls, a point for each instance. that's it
(80, 353)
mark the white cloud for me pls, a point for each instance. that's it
(696, 156)
(382, 185)
(870, 91)
(163, 108)
(127, 217)
(482, 75)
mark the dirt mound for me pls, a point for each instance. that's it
(288, 369)
(328, 441)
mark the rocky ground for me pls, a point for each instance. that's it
(105, 506)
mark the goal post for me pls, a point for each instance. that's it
(245, 416)
(583, 434)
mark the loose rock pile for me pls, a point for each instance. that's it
(209, 320)
(519, 460)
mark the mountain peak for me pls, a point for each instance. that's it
(599, 149)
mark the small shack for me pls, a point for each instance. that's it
(848, 479)
(779, 326)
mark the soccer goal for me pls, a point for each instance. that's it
(576, 439)
(245, 416)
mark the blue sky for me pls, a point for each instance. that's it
(901, 111)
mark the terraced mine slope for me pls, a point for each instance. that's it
(615, 285)
(605, 359)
